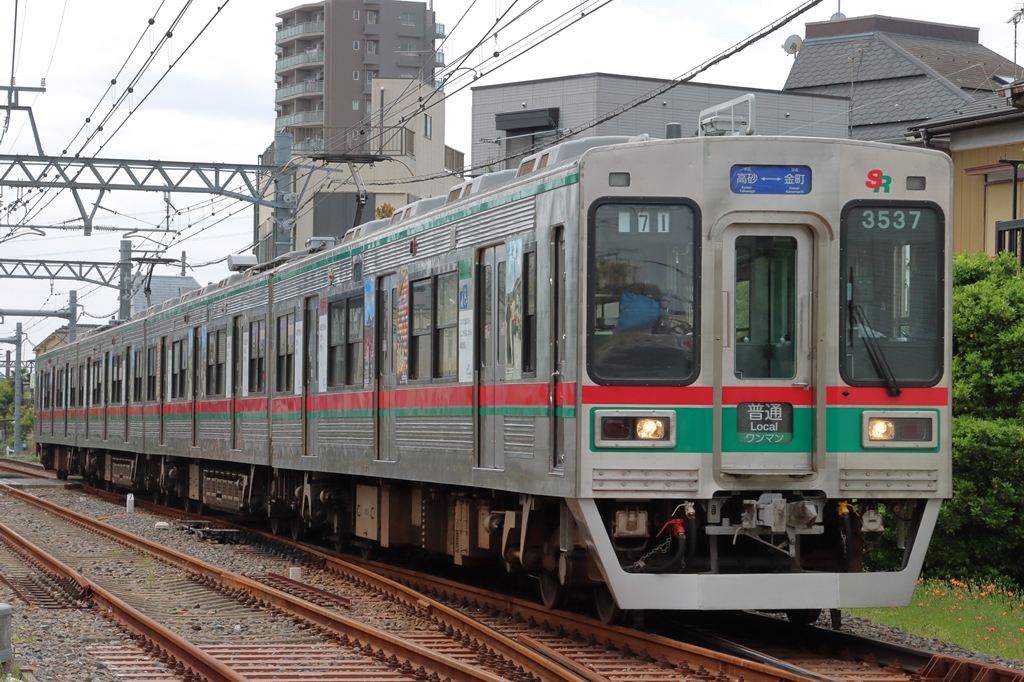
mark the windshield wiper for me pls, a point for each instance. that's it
(859, 317)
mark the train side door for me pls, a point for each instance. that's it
(310, 341)
(197, 342)
(767, 404)
(234, 383)
(387, 365)
(559, 400)
(491, 332)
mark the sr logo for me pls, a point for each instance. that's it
(877, 181)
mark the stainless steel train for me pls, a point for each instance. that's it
(679, 374)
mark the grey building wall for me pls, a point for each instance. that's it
(360, 40)
(583, 98)
(163, 288)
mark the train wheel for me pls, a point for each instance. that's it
(552, 593)
(276, 526)
(803, 616)
(298, 528)
(607, 610)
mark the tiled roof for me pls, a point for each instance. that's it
(990, 107)
(828, 61)
(969, 66)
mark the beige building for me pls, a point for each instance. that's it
(981, 138)
(403, 141)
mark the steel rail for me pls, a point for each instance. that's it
(402, 581)
(188, 654)
(341, 625)
(532, 661)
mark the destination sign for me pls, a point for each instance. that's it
(770, 180)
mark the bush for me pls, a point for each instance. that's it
(978, 534)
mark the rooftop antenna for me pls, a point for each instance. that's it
(792, 44)
(839, 12)
(1016, 19)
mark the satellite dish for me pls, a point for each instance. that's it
(792, 44)
(837, 16)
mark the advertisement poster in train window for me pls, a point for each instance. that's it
(297, 348)
(401, 325)
(514, 310)
(369, 340)
(465, 320)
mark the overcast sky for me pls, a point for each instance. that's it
(217, 103)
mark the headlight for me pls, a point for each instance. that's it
(634, 429)
(913, 429)
(881, 429)
(650, 429)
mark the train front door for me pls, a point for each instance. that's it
(387, 365)
(492, 334)
(766, 410)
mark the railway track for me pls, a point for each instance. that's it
(474, 624)
(295, 636)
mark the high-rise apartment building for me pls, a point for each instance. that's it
(329, 53)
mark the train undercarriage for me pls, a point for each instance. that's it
(548, 538)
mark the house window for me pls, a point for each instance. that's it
(370, 75)
(355, 105)
(446, 333)
(286, 353)
(371, 47)
(407, 47)
(355, 75)
(355, 45)
(419, 346)
(257, 356)
(355, 15)
(408, 19)
(216, 361)
(345, 335)
(428, 126)
(371, 16)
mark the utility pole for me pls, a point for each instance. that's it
(16, 340)
(126, 280)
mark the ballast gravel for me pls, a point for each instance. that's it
(53, 644)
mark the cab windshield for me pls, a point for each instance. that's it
(892, 295)
(642, 294)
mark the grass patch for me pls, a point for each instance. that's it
(985, 618)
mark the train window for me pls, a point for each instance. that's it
(501, 324)
(345, 338)
(447, 340)
(257, 356)
(891, 305)
(642, 293)
(336, 344)
(116, 379)
(216, 361)
(419, 343)
(151, 373)
(137, 377)
(286, 353)
(179, 365)
(354, 349)
(765, 309)
(487, 356)
(97, 382)
(530, 313)
(80, 398)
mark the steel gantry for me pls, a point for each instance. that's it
(238, 181)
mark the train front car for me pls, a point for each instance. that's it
(766, 333)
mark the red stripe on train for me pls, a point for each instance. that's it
(935, 397)
(449, 396)
(356, 400)
(647, 395)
